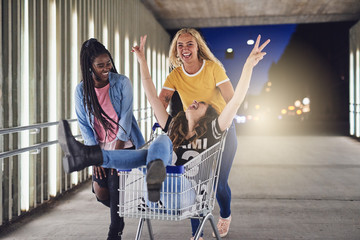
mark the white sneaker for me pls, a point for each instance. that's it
(223, 227)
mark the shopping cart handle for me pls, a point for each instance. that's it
(169, 169)
(155, 126)
(124, 170)
(175, 169)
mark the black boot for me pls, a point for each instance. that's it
(77, 155)
(155, 176)
(114, 235)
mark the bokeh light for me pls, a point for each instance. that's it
(229, 50)
(250, 42)
(291, 108)
(306, 101)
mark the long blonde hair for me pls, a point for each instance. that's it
(203, 52)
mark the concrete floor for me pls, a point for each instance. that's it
(283, 187)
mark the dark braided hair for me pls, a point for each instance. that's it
(179, 128)
(90, 50)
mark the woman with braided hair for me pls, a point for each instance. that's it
(103, 102)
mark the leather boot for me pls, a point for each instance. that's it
(114, 235)
(77, 156)
(155, 176)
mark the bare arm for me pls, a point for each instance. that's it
(233, 105)
(165, 97)
(227, 90)
(149, 87)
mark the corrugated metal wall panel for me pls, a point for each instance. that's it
(27, 26)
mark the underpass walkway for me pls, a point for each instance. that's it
(283, 187)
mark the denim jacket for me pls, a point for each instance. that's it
(121, 96)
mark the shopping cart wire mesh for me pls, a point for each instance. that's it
(187, 192)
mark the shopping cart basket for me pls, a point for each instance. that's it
(187, 192)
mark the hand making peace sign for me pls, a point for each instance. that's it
(256, 55)
(139, 51)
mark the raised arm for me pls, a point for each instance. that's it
(165, 97)
(242, 87)
(150, 90)
(226, 90)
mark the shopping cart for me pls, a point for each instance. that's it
(188, 192)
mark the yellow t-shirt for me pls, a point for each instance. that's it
(201, 86)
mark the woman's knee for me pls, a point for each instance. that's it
(162, 141)
(101, 193)
(161, 148)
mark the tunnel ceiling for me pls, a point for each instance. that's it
(174, 14)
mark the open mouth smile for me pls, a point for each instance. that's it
(194, 106)
(186, 55)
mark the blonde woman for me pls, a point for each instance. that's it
(198, 74)
(195, 70)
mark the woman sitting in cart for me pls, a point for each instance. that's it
(195, 130)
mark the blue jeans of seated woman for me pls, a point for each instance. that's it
(178, 194)
(160, 148)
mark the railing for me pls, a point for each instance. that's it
(14, 200)
(35, 147)
(25, 179)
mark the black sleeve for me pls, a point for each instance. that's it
(166, 128)
(175, 104)
(215, 128)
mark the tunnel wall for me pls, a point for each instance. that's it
(354, 81)
(39, 55)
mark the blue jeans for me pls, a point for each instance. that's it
(178, 193)
(223, 194)
(160, 148)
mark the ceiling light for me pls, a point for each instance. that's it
(250, 42)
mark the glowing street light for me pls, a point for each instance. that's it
(250, 42)
(229, 53)
(306, 101)
(298, 112)
(283, 111)
(297, 103)
(306, 108)
(291, 108)
(240, 119)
